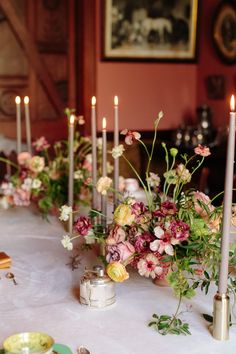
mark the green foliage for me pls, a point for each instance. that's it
(165, 324)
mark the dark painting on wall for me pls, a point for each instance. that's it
(150, 30)
(215, 86)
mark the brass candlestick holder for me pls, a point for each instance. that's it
(221, 317)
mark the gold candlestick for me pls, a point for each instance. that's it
(221, 312)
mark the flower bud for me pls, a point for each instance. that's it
(173, 152)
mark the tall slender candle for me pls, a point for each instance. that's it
(116, 143)
(71, 167)
(228, 193)
(104, 167)
(94, 151)
(27, 124)
(18, 124)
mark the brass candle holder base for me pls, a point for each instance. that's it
(221, 313)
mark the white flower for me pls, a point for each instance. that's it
(109, 167)
(65, 212)
(158, 231)
(117, 151)
(78, 174)
(183, 173)
(7, 188)
(160, 246)
(4, 203)
(99, 143)
(36, 183)
(153, 180)
(88, 158)
(89, 238)
(36, 164)
(27, 184)
(103, 184)
(66, 242)
(149, 266)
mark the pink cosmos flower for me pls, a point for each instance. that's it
(41, 144)
(163, 244)
(23, 158)
(116, 235)
(21, 197)
(142, 242)
(179, 230)
(83, 225)
(202, 150)
(149, 266)
(130, 136)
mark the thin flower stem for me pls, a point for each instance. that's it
(175, 315)
(140, 179)
(9, 162)
(145, 147)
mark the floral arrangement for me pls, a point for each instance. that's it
(175, 236)
(42, 178)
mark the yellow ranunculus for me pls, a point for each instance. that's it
(123, 215)
(117, 272)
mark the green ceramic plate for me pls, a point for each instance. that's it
(61, 349)
(29, 342)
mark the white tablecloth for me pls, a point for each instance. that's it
(46, 299)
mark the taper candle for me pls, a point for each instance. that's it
(18, 124)
(94, 152)
(71, 160)
(116, 143)
(104, 168)
(227, 209)
(27, 124)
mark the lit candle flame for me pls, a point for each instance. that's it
(232, 104)
(93, 101)
(72, 119)
(26, 100)
(104, 123)
(116, 100)
(17, 100)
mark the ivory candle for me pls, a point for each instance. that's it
(94, 151)
(227, 209)
(27, 124)
(116, 143)
(71, 160)
(18, 124)
(104, 168)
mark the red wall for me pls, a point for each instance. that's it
(146, 88)
(210, 64)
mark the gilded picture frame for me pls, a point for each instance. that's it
(150, 30)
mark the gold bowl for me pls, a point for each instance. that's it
(28, 343)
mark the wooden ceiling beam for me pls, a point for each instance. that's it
(31, 51)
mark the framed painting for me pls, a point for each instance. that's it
(164, 30)
(224, 31)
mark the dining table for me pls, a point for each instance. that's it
(45, 297)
